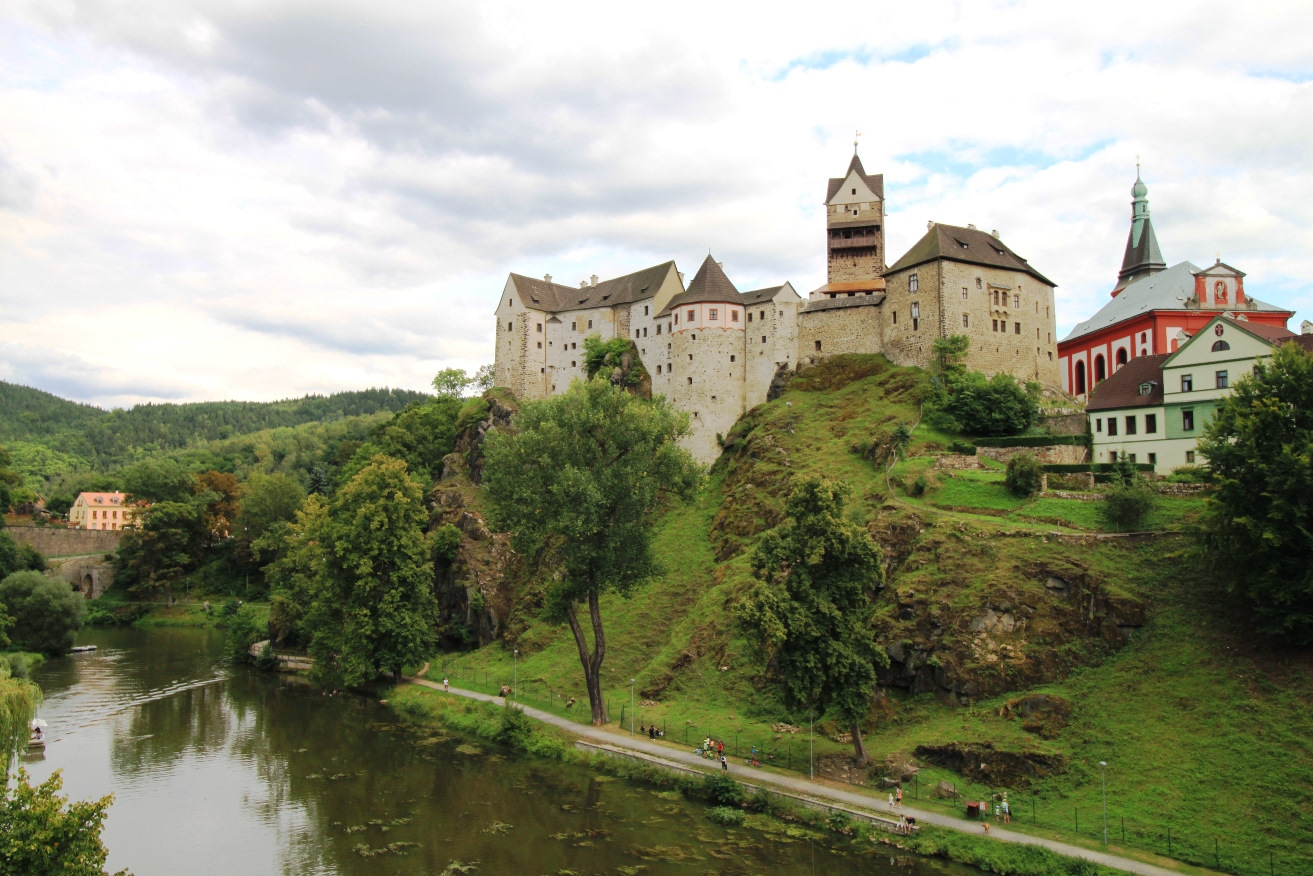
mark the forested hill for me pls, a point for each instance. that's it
(102, 438)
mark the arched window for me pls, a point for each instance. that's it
(1080, 378)
(1100, 370)
(1219, 346)
(1121, 357)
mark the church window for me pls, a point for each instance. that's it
(1016, 328)
(733, 316)
(1222, 381)
(1080, 378)
(1187, 421)
(1150, 425)
(1219, 346)
(1121, 357)
(1187, 383)
(913, 283)
(1130, 424)
(1100, 370)
(715, 313)
(966, 320)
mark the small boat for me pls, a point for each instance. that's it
(35, 744)
(81, 649)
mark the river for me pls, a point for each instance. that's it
(221, 770)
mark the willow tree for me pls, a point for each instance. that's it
(810, 613)
(578, 483)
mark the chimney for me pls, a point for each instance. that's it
(681, 276)
(547, 278)
(1306, 328)
(929, 225)
(720, 265)
(972, 227)
(583, 284)
(594, 279)
(995, 234)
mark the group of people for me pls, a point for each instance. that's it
(711, 749)
(1002, 812)
(652, 732)
(896, 797)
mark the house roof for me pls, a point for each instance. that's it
(811, 305)
(708, 284)
(1165, 290)
(1122, 388)
(969, 245)
(1305, 341)
(555, 298)
(873, 284)
(759, 296)
(1273, 333)
(874, 182)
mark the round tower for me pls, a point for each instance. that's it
(707, 332)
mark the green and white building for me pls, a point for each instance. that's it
(1154, 408)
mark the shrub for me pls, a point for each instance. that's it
(765, 802)
(266, 662)
(839, 822)
(918, 486)
(1190, 474)
(1127, 504)
(721, 790)
(993, 406)
(1024, 475)
(726, 816)
(243, 630)
(966, 448)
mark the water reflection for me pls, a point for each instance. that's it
(223, 772)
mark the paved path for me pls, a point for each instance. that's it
(667, 752)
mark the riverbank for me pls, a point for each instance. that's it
(1003, 851)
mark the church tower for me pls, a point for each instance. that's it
(1142, 254)
(854, 225)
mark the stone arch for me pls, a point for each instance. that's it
(1080, 377)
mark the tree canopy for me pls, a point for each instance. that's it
(809, 615)
(578, 483)
(47, 613)
(1259, 524)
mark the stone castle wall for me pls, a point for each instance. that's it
(58, 541)
(825, 333)
(707, 380)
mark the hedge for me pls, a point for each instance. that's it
(1097, 467)
(1032, 441)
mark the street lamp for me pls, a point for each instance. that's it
(1103, 773)
(631, 707)
(811, 745)
(515, 673)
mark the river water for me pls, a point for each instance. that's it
(220, 770)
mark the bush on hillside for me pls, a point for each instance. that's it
(1024, 475)
(721, 790)
(1129, 498)
(966, 448)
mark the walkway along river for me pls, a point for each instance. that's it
(220, 770)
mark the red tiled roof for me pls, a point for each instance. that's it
(1122, 389)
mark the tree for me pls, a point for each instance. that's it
(9, 481)
(1024, 475)
(43, 834)
(994, 406)
(809, 615)
(450, 383)
(1129, 499)
(267, 504)
(373, 609)
(484, 377)
(159, 480)
(168, 543)
(47, 613)
(578, 483)
(1259, 523)
(949, 353)
(299, 565)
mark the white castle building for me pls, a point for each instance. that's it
(714, 351)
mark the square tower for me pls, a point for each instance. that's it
(854, 225)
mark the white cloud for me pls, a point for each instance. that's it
(272, 198)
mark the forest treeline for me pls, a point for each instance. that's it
(59, 446)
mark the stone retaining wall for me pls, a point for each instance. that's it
(59, 541)
(286, 662)
(957, 462)
(1049, 454)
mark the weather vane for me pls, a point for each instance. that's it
(856, 134)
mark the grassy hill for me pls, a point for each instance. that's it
(1029, 643)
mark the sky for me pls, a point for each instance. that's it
(260, 199)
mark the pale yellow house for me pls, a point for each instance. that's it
(101, 511)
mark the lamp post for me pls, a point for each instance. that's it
(1103, 774)
(515, 673)
(631, 707)
(811, 745)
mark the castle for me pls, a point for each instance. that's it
(714, 351)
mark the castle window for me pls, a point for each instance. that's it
(763, 339)
(964, 293)
(635, 332)
(916, 324)
(690, 357)
(574, 345)
(590, 323)
(715, 313)
(658, 370)
(995, 328)
(1098, 425)
(966, 320)
(979, 285)
(644, 310)
(644, 331)
(762, 315)
(690, 314)
(749, 316)
(540, 345)
(510, 326)
(854, 191)
(574, 326)
(818, 345)
(1016, 302)
(540, 329)
(913, 283)
(690, 381)
(895, 317)
(731, 357)
(658, 328)
(1222, 381)
(695, 337)
(1016, 328)
(996, 297)
(916, 310)
(733, 316)
(574, 363)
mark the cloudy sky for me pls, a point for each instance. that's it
(257, 199)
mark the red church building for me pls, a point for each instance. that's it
(1154, 308)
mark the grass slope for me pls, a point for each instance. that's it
(1205, 733)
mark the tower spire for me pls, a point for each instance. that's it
(1143, 257)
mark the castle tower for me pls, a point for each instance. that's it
(854, 225)
(707, 323)
(1142, 254)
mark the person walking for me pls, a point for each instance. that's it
(1007, 810)
(724, 764)
(446, 687)
(898, 796)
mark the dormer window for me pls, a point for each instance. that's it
(1146, 387)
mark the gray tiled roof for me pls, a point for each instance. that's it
(811, 305)
(555, 298)
(1165, 290)
(969, 245)
(875, 182)
(708, 284)
(759, 296)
